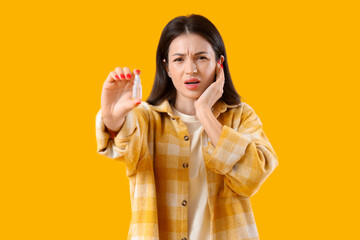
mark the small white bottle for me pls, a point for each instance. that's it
(137, 89)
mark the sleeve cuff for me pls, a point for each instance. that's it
(102, 136)
(127, 129)
(121, 139)
(229, 149)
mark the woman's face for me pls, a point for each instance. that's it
(191, 65)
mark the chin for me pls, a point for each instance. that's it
(193, 95)
(190, 94)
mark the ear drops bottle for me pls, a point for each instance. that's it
(137, 90)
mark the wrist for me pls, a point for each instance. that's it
(113, 123)
(202, 111)
(114, 126)
(112, 133)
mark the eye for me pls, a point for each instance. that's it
(202, 58)
(178, 59)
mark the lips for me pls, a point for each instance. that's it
(192, 83)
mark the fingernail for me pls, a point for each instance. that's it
(117, 77)
(138, 102)
(128, 76)
(222, 66)
(137, 71)
(122, 76)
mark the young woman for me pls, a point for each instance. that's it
(194, 153)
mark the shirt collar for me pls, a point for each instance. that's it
(219, 107)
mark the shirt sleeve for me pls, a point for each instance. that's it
(244, 156)
(128, 144)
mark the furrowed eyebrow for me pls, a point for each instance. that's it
(183, 54)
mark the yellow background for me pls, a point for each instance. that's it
(295, 62)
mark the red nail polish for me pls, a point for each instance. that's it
(137, 71)
(117, 77)
(128, 75)
(122, 76)
(222, 66)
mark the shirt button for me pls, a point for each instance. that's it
(184, 203)
(185, 165)
(186, 138)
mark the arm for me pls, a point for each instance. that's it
(128, 143)
(244, 156)
(212, 126)
(112, 133)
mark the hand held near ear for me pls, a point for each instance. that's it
(214, 92)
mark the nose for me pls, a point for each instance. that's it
(191, 67)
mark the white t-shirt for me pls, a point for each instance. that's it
(198, 208)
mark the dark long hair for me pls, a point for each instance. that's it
(163, 88)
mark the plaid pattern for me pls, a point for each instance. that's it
(155, 147)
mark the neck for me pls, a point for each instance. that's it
(185, 105)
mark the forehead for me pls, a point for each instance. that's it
(190, 43)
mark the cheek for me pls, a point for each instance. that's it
(208, 67)
(175, 72)
(176, 80)
(175, 66)
(209, 73)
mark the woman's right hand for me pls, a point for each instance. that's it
(116, 97)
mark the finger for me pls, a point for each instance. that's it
(120, 72)
(127, 73)
(112, 77)
(221, 77)
(218, 70)
(223, 81)
(136, 102)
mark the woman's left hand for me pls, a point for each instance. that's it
(213, 93)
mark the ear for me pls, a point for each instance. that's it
(166, 67)
(222, 59)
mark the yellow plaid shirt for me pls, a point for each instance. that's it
(155, 147)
